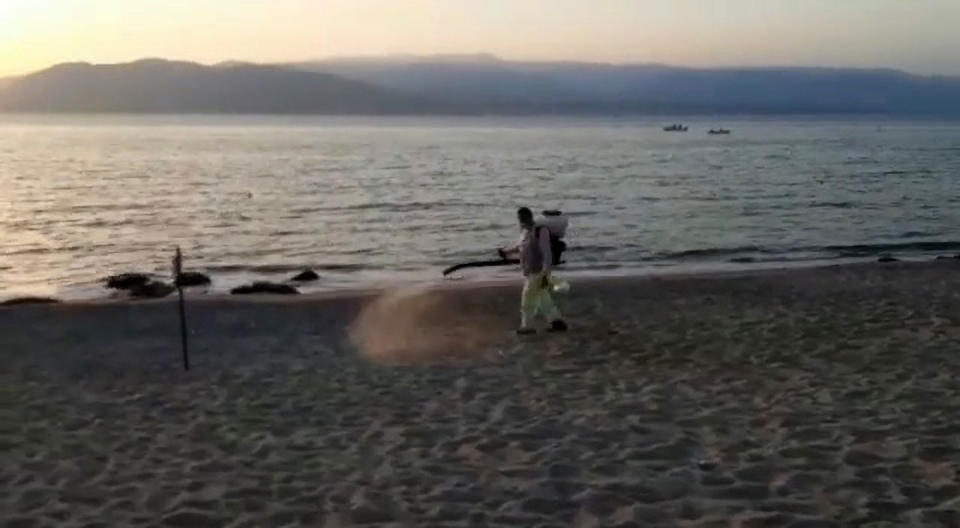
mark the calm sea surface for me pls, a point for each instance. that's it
(366, 201)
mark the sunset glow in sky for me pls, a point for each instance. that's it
(915, 35)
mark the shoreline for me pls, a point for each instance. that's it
(193, 295)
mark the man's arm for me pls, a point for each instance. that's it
(509, 252)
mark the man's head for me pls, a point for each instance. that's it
(525, 217)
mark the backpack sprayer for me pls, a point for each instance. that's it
(556, 224)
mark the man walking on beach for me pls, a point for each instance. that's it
(536, 259)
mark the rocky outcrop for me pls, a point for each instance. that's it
(306, 276)
(152, 290)
(126, 281)
(192, 278)
(265, 287)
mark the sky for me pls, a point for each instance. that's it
(919, 36)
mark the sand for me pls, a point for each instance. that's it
(804, 398)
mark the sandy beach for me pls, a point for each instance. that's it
(804, 398)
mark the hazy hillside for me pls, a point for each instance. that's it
(486, 81)
(470, 84)
(159, 86)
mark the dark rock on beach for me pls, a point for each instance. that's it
(152, 290)
(192, 278)
(126, 281)
(888, 258)
(20, 301)
(265, 287)
(306, 276)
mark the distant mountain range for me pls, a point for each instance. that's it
(471, 84)
(159, 86)
(484, 80)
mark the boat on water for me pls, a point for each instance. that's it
(675, 128)
(719, 131)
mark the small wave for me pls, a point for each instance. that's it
(929, 149)
(97, 208)
(837, 205)
(710, 198)
(393, 207)
(905, 172)
(27, 251)
(474, 228)
(100, 222)
(755, 255)
(713, 252)
(286, 268)
(344, 267)
(366, 251)
(799, 256)
(595, 248)
(859, 161)
(863, 250)
(600, 266)
(316, 209)
(747, 254)
(292, 232)
(917, 234)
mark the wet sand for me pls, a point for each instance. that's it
(803, 398)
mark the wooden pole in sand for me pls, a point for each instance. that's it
(177, 269)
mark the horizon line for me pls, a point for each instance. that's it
(481, 57)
